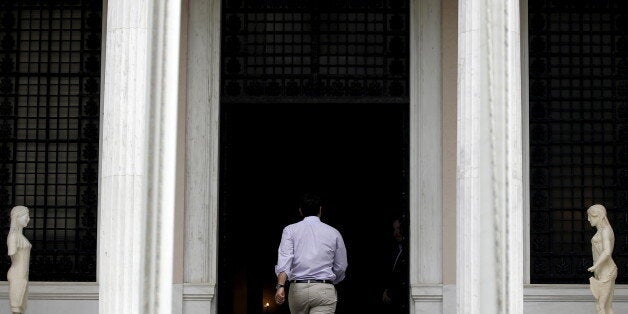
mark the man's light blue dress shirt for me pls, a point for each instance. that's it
(311, 249)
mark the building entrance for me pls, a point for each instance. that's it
(314, 98)
(354, 156)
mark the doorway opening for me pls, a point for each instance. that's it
(354, 156)
(314, 98)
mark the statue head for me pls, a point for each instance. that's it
(19, 217)
(597, 215)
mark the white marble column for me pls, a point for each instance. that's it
(525, 113)
(137, 156)
(202, 139)
(426, 209)
(163, 100)
(123, 157)
(489, 201)
(201, 151)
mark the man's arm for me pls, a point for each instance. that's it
(340, 260)
(285, 253)
(280, 294)
(281, 279)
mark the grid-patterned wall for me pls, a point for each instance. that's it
(314, 48)
(49, 107)
(578, 133)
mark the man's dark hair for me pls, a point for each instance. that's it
(310, 205)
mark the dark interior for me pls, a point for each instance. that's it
(353, 155)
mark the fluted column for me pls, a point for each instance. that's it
(123, 157)
(201, 187)
(162, 115)
(489, 201)
(137, 156)
(426, 208)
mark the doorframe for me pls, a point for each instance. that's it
(202, 147)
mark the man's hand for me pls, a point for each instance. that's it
(280, 296)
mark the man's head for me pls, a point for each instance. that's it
(397, 230)
(310, 205)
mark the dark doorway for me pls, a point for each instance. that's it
(354, 155)
(314, 98)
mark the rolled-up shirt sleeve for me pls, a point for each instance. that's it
(285, 253)
(340, 260)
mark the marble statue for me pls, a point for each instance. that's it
(604, 269)
(19, 250)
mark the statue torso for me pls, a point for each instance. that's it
(607, 269)
(20, 260)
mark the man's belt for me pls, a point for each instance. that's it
(311, 281)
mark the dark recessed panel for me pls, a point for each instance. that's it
(300, 49)
(578, 133)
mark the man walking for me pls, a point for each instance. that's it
(312, 257)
